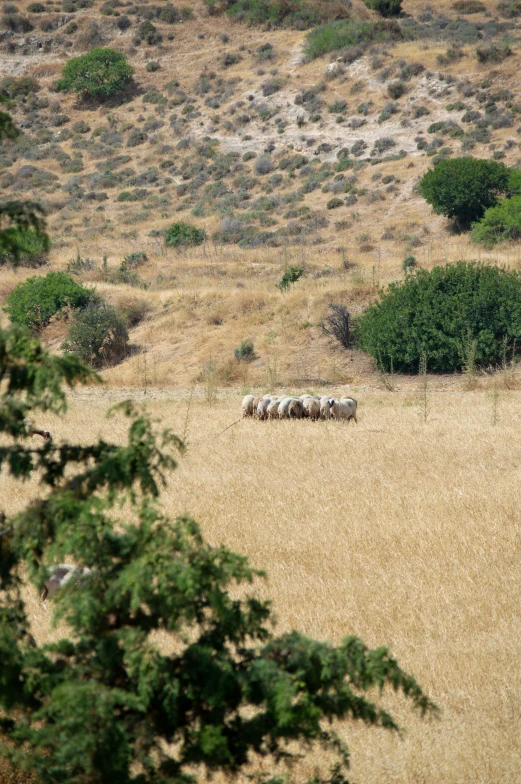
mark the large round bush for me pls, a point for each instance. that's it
(463, 188)
(439, 312)
(184, 234)
(35, 301)
(99, 73)
(98, 335)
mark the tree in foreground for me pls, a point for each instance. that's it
(439, 313)
(106, 703)
(101, 73)
(463, 188)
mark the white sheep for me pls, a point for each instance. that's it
(262, 407)
(283, 410)
(247, 405)
(311, 408)
(273, 408)
(344, 409)
(296, 409)
(325, 407)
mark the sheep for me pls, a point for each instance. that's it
(325, 407)
(273, 408)
(344, 409)
(283, 410)
(262, 407)
(247, 405)
(61, 575)
(312, 408)
(296, 409)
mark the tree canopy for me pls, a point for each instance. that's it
(100, 73)
(463, 188)
(104, 703)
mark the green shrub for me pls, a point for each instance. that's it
(99, 73)
(97, 335)
(33, 249)
(396, 89)
(409, 263)
(385, 7)
(350, 32)
(499, 223)
(509, 8)
(469, 7)
(299, 14)
(291, 275)
(152, 66)
(12, 86)
(463, 188)
(493, 53)
(35, 301)
(37, 8)
(334, 203)
(184, 234)
(438, 312)
(245, 352)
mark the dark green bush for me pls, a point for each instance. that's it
(499, 223)
(152, 66)
(334, 203)
(350, 33)
(291, 275)
(463, 188)
(493, 53)
(12, 86)
(97, 335)
(299, 14)
(438, 313)
(245, 352)
(33, 249)
(99, 73)
(396, 89)
(35, 301)
(184, 234)
(469, 7)
(37, 8)
(385, 7)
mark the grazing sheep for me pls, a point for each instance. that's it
(61, 575)
(283, 410)
(296, 409)
(312, 408)
(325, 407)
(344, 409)
(273, 408)
(247, 405)
(262, 407)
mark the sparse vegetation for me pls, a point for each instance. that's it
(350, 33)
(300, 14)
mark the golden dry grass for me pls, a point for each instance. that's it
(400, 531)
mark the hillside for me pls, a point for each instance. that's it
(281, 156)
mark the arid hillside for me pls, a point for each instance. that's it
(281, 156)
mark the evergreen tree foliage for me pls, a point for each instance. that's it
(103, 703)
(463, 188)
(436, 313)
(100, 73)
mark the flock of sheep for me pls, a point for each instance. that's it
(313, 407)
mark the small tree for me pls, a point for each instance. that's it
(179, 234)
(245, 352)
(463, 188)
(291, 275)
(100, 73)
(97, 335)
(35, 301)
(103, 703)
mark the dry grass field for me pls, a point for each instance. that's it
(399, 530)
